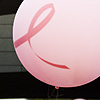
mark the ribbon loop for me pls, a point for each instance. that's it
(34, 30)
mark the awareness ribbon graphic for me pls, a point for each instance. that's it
(34, 30)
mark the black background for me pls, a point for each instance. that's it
(19, 85)
(9, 6)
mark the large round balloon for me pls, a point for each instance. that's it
(58, 41)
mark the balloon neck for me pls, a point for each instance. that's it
(56, 87)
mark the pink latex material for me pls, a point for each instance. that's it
(32, 31)
(58, 42)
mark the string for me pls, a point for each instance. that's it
(50, 95)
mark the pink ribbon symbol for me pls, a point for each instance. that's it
(34, 30)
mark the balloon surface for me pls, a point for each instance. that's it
(58, 41)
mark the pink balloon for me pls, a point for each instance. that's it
(58, 41)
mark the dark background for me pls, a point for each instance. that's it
(24, 85)
(9, 6)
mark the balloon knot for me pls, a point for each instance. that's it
(56, 87)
